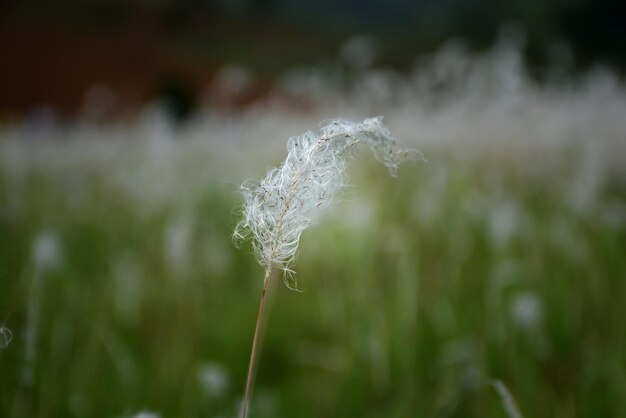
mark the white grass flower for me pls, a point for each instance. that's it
(283, 204)
(289, 198)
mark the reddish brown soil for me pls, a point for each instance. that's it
(56, 67)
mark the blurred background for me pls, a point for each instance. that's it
(127, 127)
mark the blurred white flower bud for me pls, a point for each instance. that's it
(47, 251)
(213, 379)
(526, 310)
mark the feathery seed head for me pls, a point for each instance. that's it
(289, 198)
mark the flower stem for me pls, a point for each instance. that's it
(254, 354)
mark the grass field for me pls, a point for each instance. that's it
(503, 257)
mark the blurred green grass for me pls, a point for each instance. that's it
(419, 290)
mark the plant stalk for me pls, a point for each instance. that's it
(254, 354)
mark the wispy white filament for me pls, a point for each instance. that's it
(283, 204)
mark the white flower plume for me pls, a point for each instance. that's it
(283, 204)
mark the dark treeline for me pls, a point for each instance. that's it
(591, 29)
